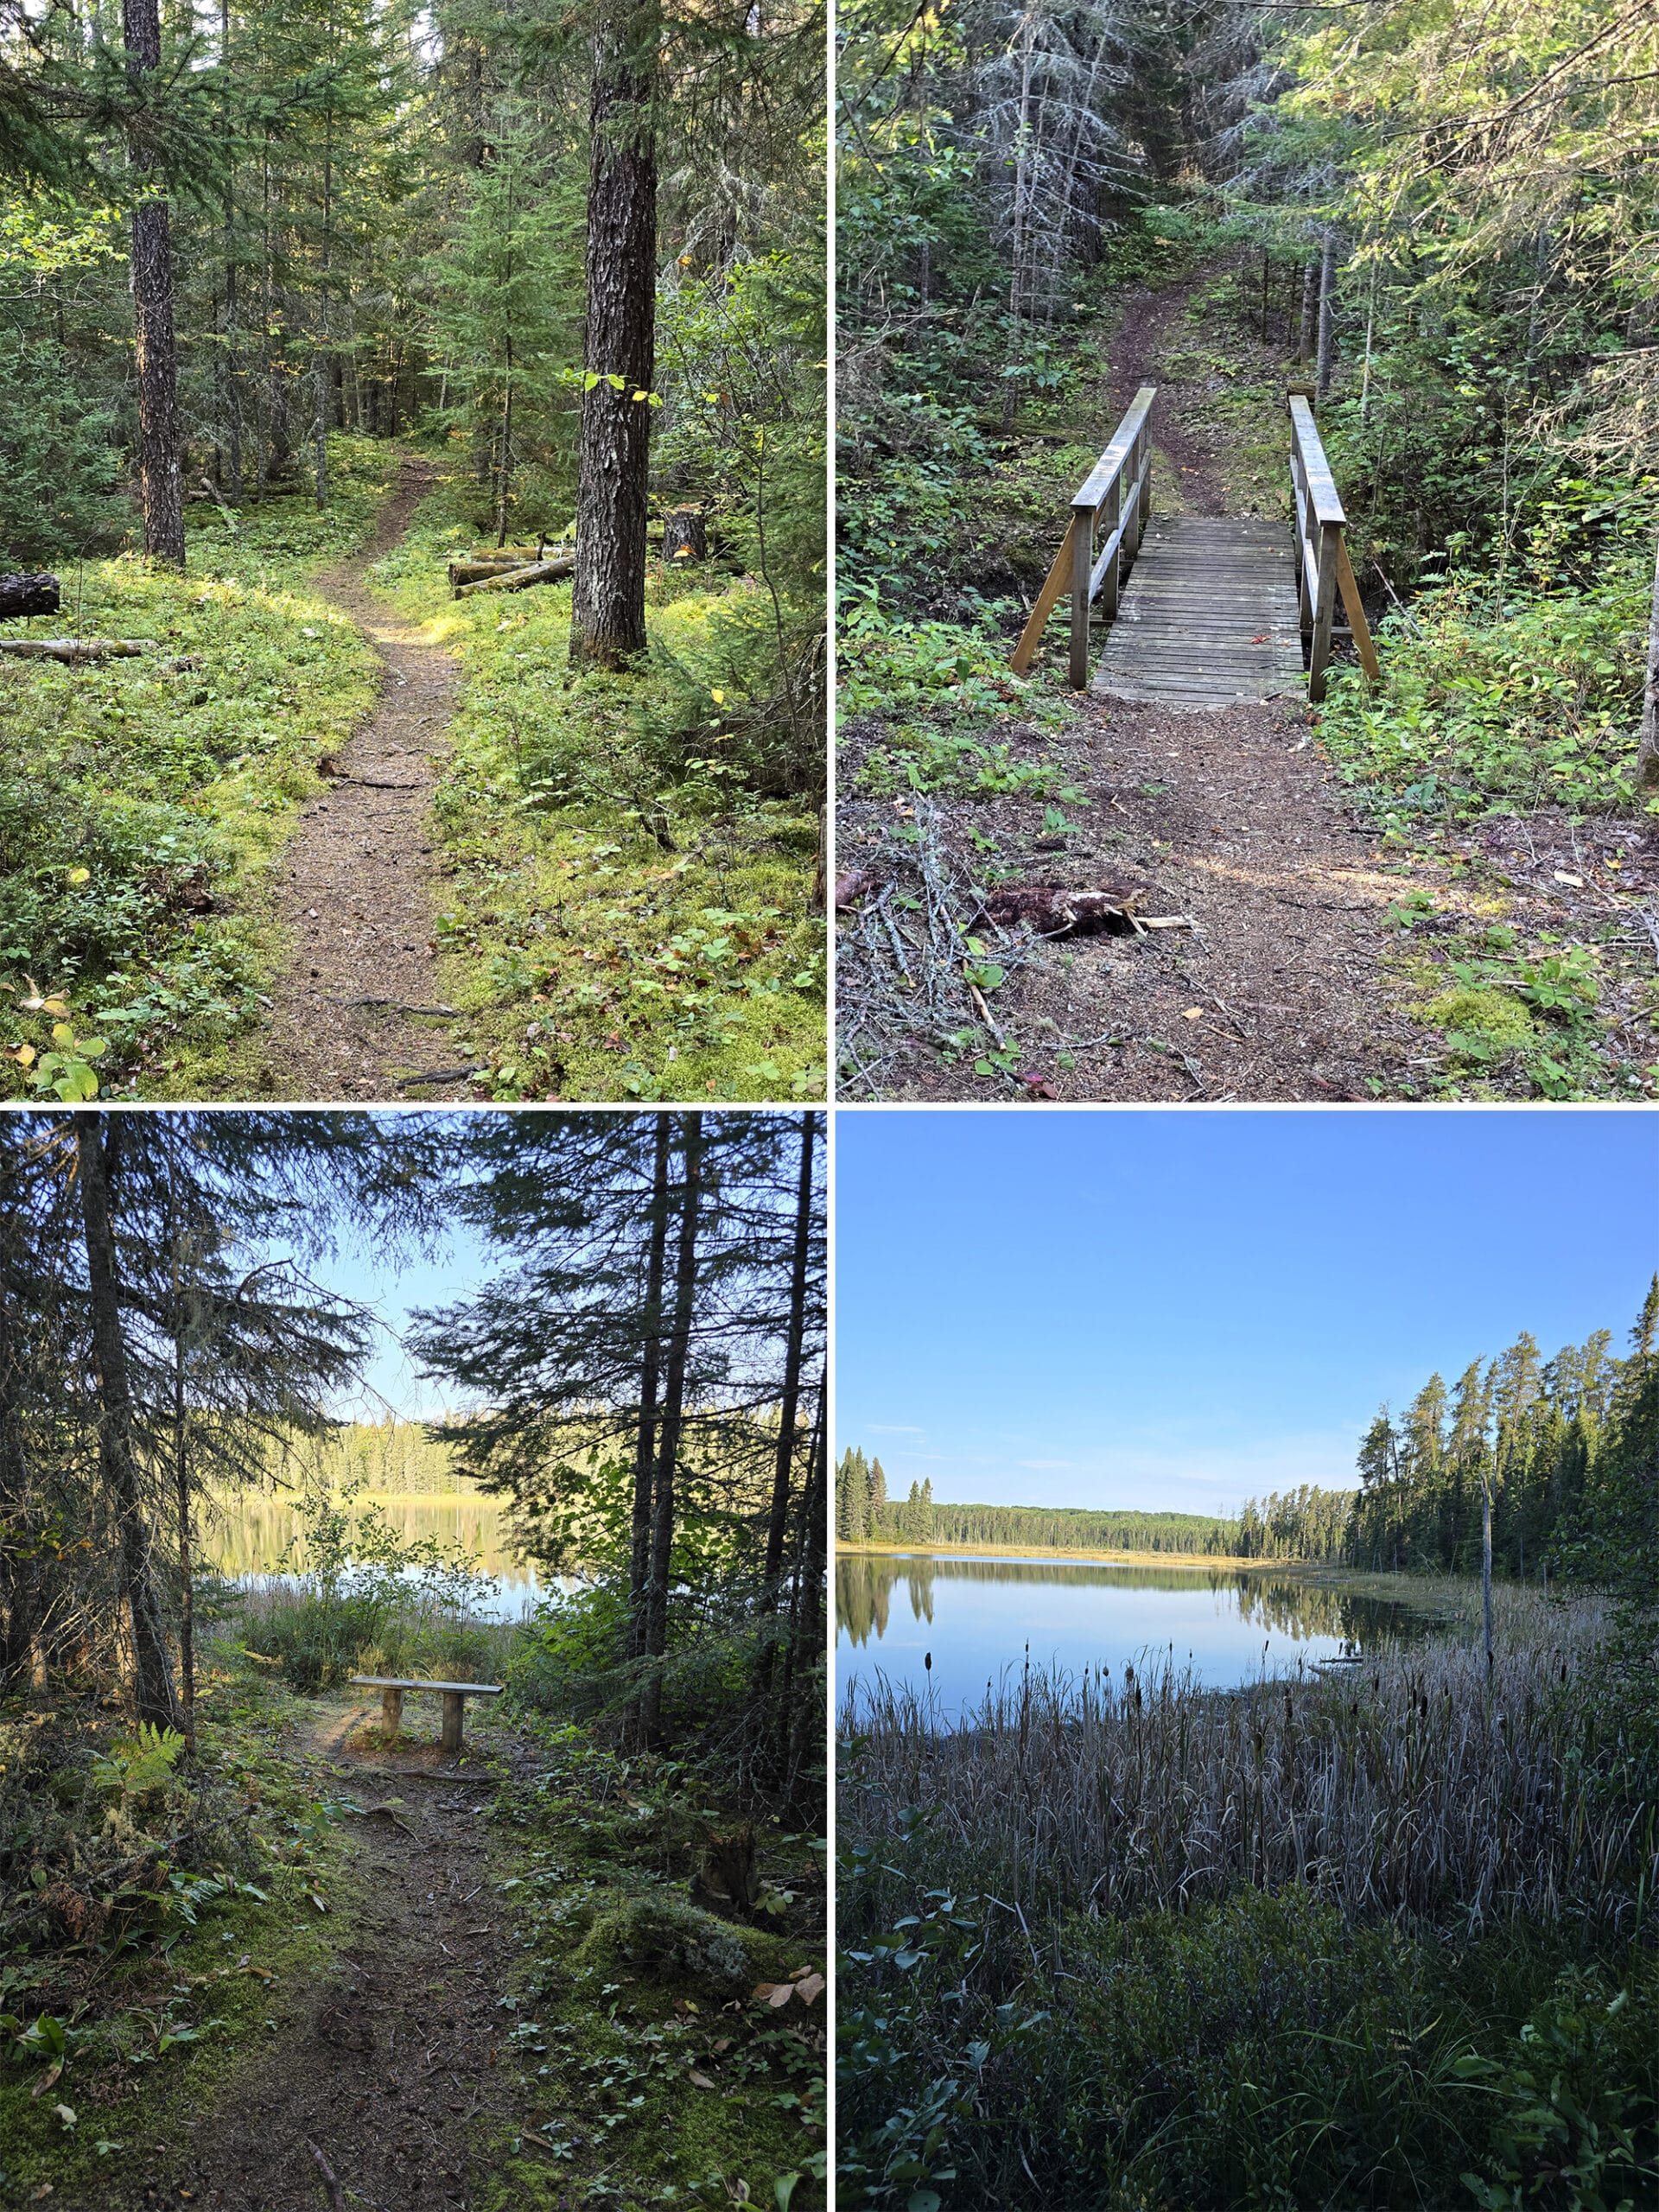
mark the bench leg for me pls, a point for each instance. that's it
(391, 1714)
(453, 1702)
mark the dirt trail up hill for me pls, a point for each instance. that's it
(353, 1012)
(1282, 988)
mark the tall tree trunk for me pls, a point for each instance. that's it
(1327, 318)
(806, 1643)
(668, 1441)
(20, 1596)
(178, 1320)
(1021, 167)
(160, 462)
(650, 1369)
(1310, 309)
(778, 1521)
(153, 1697)
(324, 363)
(232, 383)
(1647, 754)
(607, 609)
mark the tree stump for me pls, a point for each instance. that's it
(31, 594)
(685, 536)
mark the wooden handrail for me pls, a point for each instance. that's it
(1323, 565)
(1119, 487)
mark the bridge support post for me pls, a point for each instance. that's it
(1112, 514)
(1325, 607)
(1083, 563)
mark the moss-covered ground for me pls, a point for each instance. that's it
(144, 800)
(625, 917)
(637, 2040)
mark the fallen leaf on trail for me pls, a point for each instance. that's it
(66, 2114)
(811, 1988)
(1193, 1013)
(1577, 881)
(701, 2080)
(46, 2080)
(772, 1992)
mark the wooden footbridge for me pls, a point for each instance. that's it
(1204, 610)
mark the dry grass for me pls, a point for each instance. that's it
(1404, 1785)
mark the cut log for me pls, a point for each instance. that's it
(73, 649)
(489, 564)
(539, 572)
(29, 594)
(685, 536)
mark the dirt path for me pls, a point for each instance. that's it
(1225, 815)
(357, 899)
(386, 2066)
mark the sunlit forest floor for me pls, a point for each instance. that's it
(605, 920)
(1356, 937)
(480, 1981)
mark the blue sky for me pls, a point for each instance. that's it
(460, 1263)
(1177, 1310)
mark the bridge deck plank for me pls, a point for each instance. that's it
(1209, 615)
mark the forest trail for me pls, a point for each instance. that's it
(387, 2064)
(1278, 992)
(350, 1012)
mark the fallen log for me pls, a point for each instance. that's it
(1052, 910)
(480, 565)
(73, 649)
(35, 593)
(539, 572)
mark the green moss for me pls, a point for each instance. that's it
(650, 2070)
(178, 2019)
(621, 924)
(144, 802)
(1495, 1017)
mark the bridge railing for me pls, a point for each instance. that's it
(1323, 566)
(1118, 494)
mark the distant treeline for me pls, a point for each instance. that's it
(865, 1515)
(1566, 1450)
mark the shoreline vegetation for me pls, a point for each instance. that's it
(1379, 1937)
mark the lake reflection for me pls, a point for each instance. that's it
(249, 1536)
(976, 1617)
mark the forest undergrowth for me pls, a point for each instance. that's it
(143, 801)
(1492, 768)
(631, 916)
(176, 1930)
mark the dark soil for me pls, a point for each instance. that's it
(354, 1008)
(386, 2066)
(1292, 986)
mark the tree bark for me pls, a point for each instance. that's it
(20, 1607)
(160, 435)
(685, 537)
(153, 1697)
(1647, 754)
(1310, 307)
(1327, 319)
(778, 1523)
(607, 613)
(650, 1368)
(30, 595)
(668, 1442)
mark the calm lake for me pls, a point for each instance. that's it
(976, 1617)
(249, 1534)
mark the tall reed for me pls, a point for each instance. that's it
(1409, 1783)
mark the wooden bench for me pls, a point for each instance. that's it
(454, 1695)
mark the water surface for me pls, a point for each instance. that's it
(976, 1617)
(249, 1537)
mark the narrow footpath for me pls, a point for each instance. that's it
(379, 2074)
(355, 1013)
